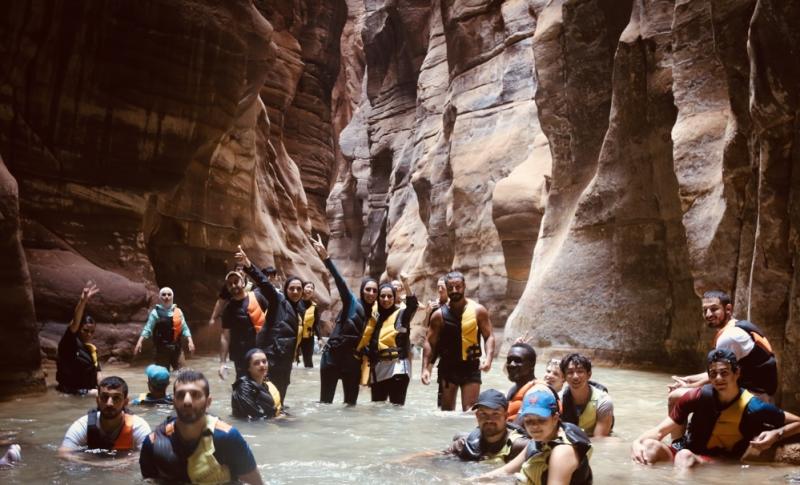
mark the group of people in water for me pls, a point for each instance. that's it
(540, 429)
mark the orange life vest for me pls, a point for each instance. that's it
(257, 315)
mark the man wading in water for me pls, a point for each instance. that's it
(454, 335)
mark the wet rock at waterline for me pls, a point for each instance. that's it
(19, 345)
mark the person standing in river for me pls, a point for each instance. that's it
(167, 326)
(310, 323)
(278, 336)
(242, 318)
(389, 343)
(340, 360)
(454, 335)
(77, 367)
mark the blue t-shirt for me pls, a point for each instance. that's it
(230, 449)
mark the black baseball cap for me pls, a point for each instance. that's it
(491, 398)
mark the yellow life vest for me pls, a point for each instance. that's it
(534, 469)
(387, 338)
(502, 456)
(588, 418)
(202, 467)
(276, 396)
(469, 332)
(93, 352)
(365, 338)
(308, 321)
(726, 432)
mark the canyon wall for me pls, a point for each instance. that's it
(591, 166)
(148, 141)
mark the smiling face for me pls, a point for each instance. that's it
(308, 291)
(519, 365)
(235, 285)
(540, 428)
(553, 376)
(258, 366)
(715, 313)
(577, 376)
(294, 290)
(386, 298)
(723, 378)
(370, 293)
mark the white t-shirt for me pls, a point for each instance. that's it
(735, 340)
(77, 436)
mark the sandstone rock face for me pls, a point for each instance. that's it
(447, 112)
(149, 143)
(19, 347)
(682, 184)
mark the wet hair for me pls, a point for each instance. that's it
(364, 284)
(578, 360)
(454, 275)
(270, 271)
(290, 279)
(724, 298)
(530, 351)
(187, 376)
(722, 355)
(250, 353)
(114, 382)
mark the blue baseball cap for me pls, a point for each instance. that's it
(541, 402)
(157, 375)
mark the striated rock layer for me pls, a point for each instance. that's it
(683, 183)
(148, 143)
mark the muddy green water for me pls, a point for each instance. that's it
(335, 444)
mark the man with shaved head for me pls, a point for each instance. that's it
(167, 326)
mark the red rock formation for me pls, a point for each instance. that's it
(19, 345)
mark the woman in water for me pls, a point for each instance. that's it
(310, 322)
(388, 344)
(254, 396)
(339, 359)
(558, 452)
(553, 375)
(278, 337)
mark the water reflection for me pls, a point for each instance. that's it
(338, 444)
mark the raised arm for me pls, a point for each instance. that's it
(347, 296)
(260, 279)
(411, 302)
(88, 292)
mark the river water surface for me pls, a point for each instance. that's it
(366, 444)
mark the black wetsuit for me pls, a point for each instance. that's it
(76, 369)
(278, 336)
(339, 359)
(252, 400)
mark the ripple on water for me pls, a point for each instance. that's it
(335, 443)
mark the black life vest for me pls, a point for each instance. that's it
(759, 367)
(97, 440)
(344, 338)
(459, 341)
(165, 333)
(249, 400)
(78, 370)
(278, 337)
(473, 446)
